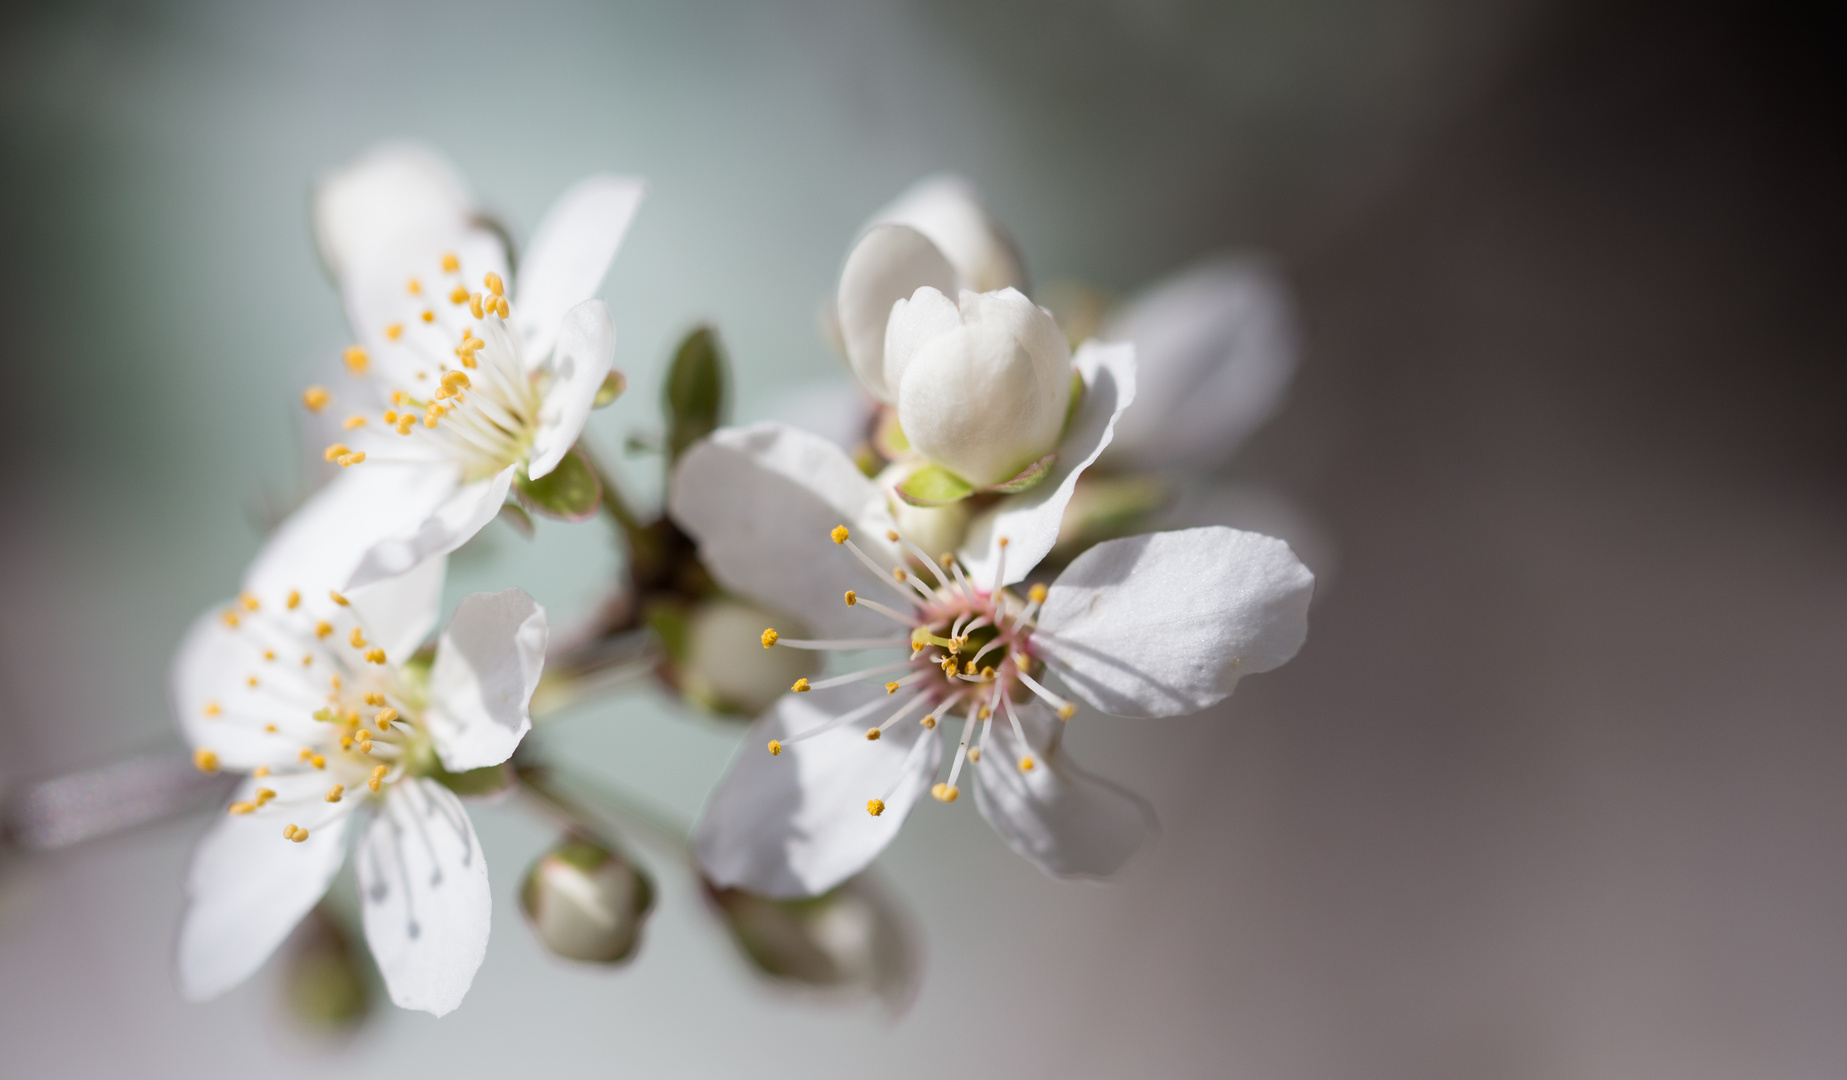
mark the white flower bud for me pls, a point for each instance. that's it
(586, 902)
(728, 669)
(947, 210)
(853, 940)
(982, 387)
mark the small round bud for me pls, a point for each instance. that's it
(585, 902)
(852, 940)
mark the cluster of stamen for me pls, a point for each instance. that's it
(970, 651)
(341, 711)
(484, 419)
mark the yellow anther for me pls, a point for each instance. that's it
(251, 682)
(775, 747)
(375, 656)
(891, 688)
(390, 416)
(892, 535)
(945, 793)
(335, 793)
(294, 599)
(441, 394)
(336, 598)
(212, 708)
(356, 360)
(875, 807)
(474, 306)
(451, 263)
(839, 534)
(249, 601)
(1027, 764)
(373, 697)
(307, 659)
(974, 753)
(872, 734)
(458, 295)
(357, 637)
(315, 398)
(395, 331)
(405, 423)
(983, 713)
(335, 452)
(987, 670)
(353, 422)
(1067, 711)
(494, 284)
(322, 629)
(500, 307)
(242, 807)
(970, 669)
(929, 723)
(431, 415)
(945, 559)
(1003, 541)
(800, 687)
(205, 760)
(428, 316)
(299, 835)
(306, 753)
(317, 761)
(949, 665)
(263, 793)
(769, 638)
(414, 287)
(375, 784)
(398, 397)
(852, 598)
(353, 458)
(230, 619)
(899, 573)
(260, 770)
(346, 742)
(269, 654)
(455, 380)
(1037, 593)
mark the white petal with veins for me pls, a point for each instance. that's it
(487, 666)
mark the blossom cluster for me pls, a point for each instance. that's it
(955, 579)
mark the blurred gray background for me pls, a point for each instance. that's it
(1558, 787)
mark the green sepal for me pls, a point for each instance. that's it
(571, 491)
(1028, 477)
(888, 437)
(475, 782)
(1077, 398)
(614, 384)
(694, 396)
(934, 485)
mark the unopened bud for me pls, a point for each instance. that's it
(585, 902)
(327, 988)
(853, 940)
(726, 668)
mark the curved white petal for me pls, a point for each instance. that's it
(487, 666)
(1029, 521)
(1057, 816)
(947, 209)
(399, 612)
(888, 264)
(1165, 623)
(423, 886)
(796, 824)
(218, 709)
(586, 347)
(834, 407)
(393, 190)
(570, 254)
(323, 542)
(761, 501)
(249, 886)
(464, 512)
(1215, 347)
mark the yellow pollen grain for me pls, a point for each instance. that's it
(249, 601)
(852, 598)
(205, 760)
(769, 638)
(260, 770)
(263, 793)
(800, 687)
(230, 619)
(242, 807)
(775, 747)
(335, 793)
(1003, 541)
(451, 263)
(892, 535)
(891, 688)
(271, 728)
(251, 682)
(455, 380)
(458, 295)
(395, 331)
(500, 307)
(294, 599)
(300, 835)
(373, 697)
(315, 398)
(872, 734)
(390, 416)
(356, 360)
(384, 718)
(307, 659)
(1037, 592)
(875, 807)
(1067, 711)
(983, 713)
(336, 598)
(405, 423)
(375, 784)
(353, 422)
(474, 306)
(357, 637)
(945, 793)
(212, 708)
(974, 753)
(414, 287)
(1027, 764)
(335, 452)
(839, 534)
(346, 742)
(375, 656)
(970, 669)
(898, 572)
(494, 284)
(269, 654)
(322, 629)
(987, 670)
(318, 761)
(929, 723)
(428, 316)
(353, 458)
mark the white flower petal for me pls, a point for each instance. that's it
(487, 666)
(398, 613)
(947, 209)
(1029, 521)
(761, 501)
(217, 708)
(570, 254)
(834, 407)
(796, 824)
(455, 521)
(393, 190)
(377, 294)
(423, 885)
(1059, 817)
(322, 543)
(888, 264)
(586, 347)
(249, 886)
(1215, 348)
(1165, 623)
(916, 321)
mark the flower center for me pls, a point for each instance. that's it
(450, 382)
(970, 651)
(324, 695)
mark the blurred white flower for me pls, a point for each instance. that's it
(1155, 625)
(318, 700)
(466, 383)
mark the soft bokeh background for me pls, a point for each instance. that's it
(1557, 789)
